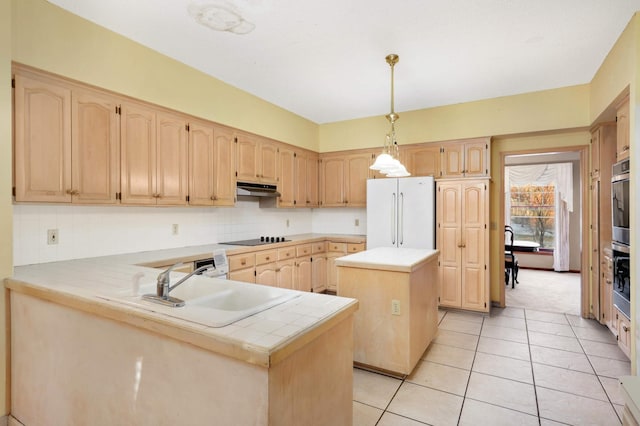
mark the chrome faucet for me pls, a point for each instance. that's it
(164, 287)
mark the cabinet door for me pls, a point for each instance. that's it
(475, 159)
(303, 273)
(268, 158)
(42, 141)
(224, 177)
(607, 290)
(137, 155)
(332, 271)
(300, 197)
(594, 288)
(247, 275)
(286, 177)
(424, 161)
(332, 183)
(266, 274)
(319, 273)
(448, 240)
(247, 158)
(94, 134)
(474, 247)
(312, 181)
(286, 274)
(624, 333)
(356, 175)
(595, 153)
(201, 165)
(622, 132)
(172, 150)
(452, 160)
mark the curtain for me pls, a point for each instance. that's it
(564, 205)
(559, 174)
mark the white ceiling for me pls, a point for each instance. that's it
(324, 60)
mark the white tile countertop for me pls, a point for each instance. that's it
(97, 285)
(388, 259)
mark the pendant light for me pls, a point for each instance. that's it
(388, 162)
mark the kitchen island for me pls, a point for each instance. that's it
(398, 316)
(85, 349)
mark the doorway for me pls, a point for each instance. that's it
(537, 267)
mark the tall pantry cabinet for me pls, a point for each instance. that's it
(462, 216)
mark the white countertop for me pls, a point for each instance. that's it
(92, 285)
(388, 258)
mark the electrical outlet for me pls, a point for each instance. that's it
(52, 236)
(357, 222)
(395, 307)
(174, 229)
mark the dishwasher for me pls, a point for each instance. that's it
(218, 265)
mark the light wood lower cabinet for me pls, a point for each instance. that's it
(462, 237)
(623, 326)
(334, 251)
(319, 267)
(606, 288)
(242, 267)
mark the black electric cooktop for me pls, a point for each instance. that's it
(257, 241)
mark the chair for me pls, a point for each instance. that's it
(510, 259)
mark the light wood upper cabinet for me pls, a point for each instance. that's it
(257, 159)
(623, 135)
(462, 238)
(224, 178)
(356, 175)
(211, 165)
(465, 159)
(154, 157)
(423, 160)
(66, 143)
(268, 161)
(201, 164)
(332, 182)
(343, 179)
(95, 161)
(42, 141)
(287, 177)
(312, 186)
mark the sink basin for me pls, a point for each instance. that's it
(212, 302)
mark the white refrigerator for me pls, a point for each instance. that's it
(401, 212)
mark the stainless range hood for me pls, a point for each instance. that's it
(249, 189)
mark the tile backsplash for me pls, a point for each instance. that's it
(89, 231)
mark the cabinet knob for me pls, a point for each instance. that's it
(625, 148)
(625, 328)
(267, 258)
(608, 281)
(243, 262)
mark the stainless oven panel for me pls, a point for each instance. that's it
(620, 202)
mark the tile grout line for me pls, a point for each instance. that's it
(533, 376)
(595, 372)
(466, 389)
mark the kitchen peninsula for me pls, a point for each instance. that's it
(398, 293)
(86, 350)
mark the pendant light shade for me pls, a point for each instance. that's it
(388, 162)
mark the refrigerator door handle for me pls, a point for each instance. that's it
(393, 218)
(401, 217)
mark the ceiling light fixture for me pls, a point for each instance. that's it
(388, 162)
(221, 16)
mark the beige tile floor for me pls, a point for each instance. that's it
(517, 366)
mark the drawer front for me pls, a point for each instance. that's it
(320, 247)
(355, 247)
(286, 253)
(266, 256)
(303, 250)
(337, 247)
(241, 261)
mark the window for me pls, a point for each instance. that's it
(532, 213)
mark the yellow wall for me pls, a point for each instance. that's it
(6, 211)
(49, 38)
(564, 108)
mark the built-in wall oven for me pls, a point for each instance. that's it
(621, 280)
(620, 209)
(620, 203)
